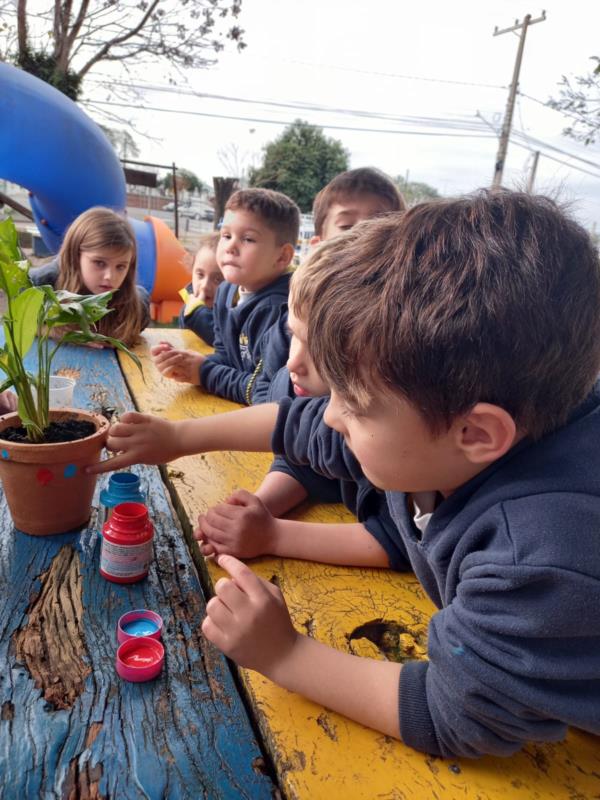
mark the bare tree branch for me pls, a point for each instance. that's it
(186, 33)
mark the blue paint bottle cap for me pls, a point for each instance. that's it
(140, 659)
(122, 487)
(139, 624)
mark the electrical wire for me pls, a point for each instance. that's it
(92, 103)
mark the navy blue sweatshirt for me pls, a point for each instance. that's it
(512, 560)
(200, 320)
(276, 343)
(239, 331)
(357, 493)
(47, 275)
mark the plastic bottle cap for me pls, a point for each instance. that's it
(140, 659)
(138, 623)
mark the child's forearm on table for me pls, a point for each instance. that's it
(344, 544)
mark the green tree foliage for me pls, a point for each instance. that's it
(300, 162)
(187, 181)
(415, 192)
(580, 101)
(61, 41)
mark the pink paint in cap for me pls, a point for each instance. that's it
(138, 623)
(140, 659)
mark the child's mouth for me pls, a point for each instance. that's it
(300, 392)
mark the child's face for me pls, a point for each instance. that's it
(206, 276)
(394, 447)
(304, 376)
(104, 270)
(346, 212)
(248, 253)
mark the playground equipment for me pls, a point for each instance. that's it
(53, 149)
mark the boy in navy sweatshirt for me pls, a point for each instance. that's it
(465, 386)
(247, 525)
(255, 249)
(199, 295)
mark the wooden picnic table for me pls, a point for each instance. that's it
(69, 726)
(317, 753)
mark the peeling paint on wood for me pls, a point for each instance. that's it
(319, 754)
(69, 727)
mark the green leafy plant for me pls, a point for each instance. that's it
(48, 318)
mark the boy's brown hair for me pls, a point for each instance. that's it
(365, 181)
(307, 278)
(276, 209)
(494, 297)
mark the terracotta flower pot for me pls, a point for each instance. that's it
(44, 484)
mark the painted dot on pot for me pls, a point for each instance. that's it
(44, 476)
(5, 454)
(70, 471)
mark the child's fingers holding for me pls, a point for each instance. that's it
(214, 634)
(207, 549)
(241, 497)
(243, 576)
(230, 595)
(219, 613)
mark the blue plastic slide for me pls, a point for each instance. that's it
(51, 147)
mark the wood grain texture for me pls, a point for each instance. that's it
(69, 727)
(377, 613)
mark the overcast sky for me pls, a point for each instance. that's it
(434, 59)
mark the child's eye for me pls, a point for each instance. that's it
(122, 267)
(98, 263)
(217, 279)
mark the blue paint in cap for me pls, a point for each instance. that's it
(140, 627)
(138, 624)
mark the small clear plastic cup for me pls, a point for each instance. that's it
(61, 391)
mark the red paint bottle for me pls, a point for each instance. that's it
(126, 550)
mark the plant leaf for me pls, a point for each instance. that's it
(25, 308)
(15, 274)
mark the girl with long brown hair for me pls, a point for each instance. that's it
(98, 254)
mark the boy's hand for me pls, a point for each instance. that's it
(248, 619)
(178, 365)
(139, 439)
(241, 526)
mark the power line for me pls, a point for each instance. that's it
(283, 122)
(457, 122)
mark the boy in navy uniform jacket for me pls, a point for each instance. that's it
(246, 525)
(465, 386)
(255, 249)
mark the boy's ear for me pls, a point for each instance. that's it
(285, 256)
(486, 433)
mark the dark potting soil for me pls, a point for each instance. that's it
(67, 430)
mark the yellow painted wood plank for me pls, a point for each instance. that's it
(317, 753)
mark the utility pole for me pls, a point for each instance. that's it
(510, 103)
(531, 180)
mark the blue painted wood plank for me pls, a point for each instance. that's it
(184, 735)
